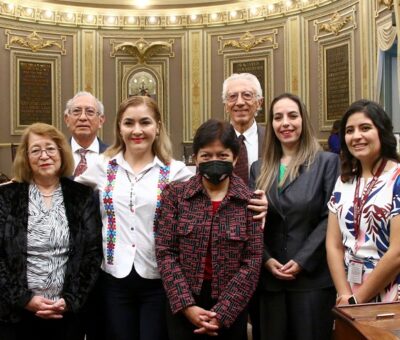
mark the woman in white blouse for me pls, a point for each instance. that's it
(130, 177)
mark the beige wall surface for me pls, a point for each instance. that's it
(192, 71)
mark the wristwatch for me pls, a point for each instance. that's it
(352, 300)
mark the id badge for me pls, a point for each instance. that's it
(355, 271)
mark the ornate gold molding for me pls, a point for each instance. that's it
(35, 42)
(196, 85)
(337, 23)
(383, 6)
(248, 41)
(64, 13)
(387, 3)
(142, 49)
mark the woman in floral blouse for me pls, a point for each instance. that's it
(363, 239)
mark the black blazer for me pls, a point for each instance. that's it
(102, 146)
(85, 248)
(261, 135)
(296, 224)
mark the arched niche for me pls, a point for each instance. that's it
(144, 81)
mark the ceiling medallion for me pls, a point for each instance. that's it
(247, 41)
(142, 49)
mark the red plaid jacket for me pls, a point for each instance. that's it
(182, 236)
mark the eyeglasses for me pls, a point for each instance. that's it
(90, 112)
(51, 151)
(246, 95)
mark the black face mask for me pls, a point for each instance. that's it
(216, 171)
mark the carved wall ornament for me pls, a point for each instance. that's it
(142, 49)
(248, 41)
(337, 23)
(35, 42)
(387, 3)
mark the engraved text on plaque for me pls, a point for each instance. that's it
(337, 81)
(35, 92)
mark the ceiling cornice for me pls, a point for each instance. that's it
(57, 12)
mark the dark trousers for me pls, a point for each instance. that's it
(254, 313)
(32, 327)
(180, 328)
(302, 315)
(93, 314)
(134, 307)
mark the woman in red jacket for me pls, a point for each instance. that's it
(208, 246)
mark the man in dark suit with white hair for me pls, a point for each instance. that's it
(84, 116)
(242, 97)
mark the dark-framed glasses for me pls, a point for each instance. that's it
(36, 152)
(246, 95)
(90, 111)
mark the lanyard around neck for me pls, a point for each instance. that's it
(359, 202)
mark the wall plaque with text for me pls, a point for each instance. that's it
(337, 81)
(256, 67)
(35, 92)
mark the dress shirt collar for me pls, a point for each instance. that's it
(94, 147)
(250, 132)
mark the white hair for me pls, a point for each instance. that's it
(242, 76)
(70, 103)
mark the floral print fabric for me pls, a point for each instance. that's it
(373, 240)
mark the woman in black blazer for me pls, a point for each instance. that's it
(297, 292)
(50, 241)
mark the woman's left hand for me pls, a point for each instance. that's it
(53, 311)
(292, 267)
(204, 330)
(259, 205)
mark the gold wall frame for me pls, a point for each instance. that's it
(344, 42)
(51, 64)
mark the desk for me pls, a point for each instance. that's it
(367, 321)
